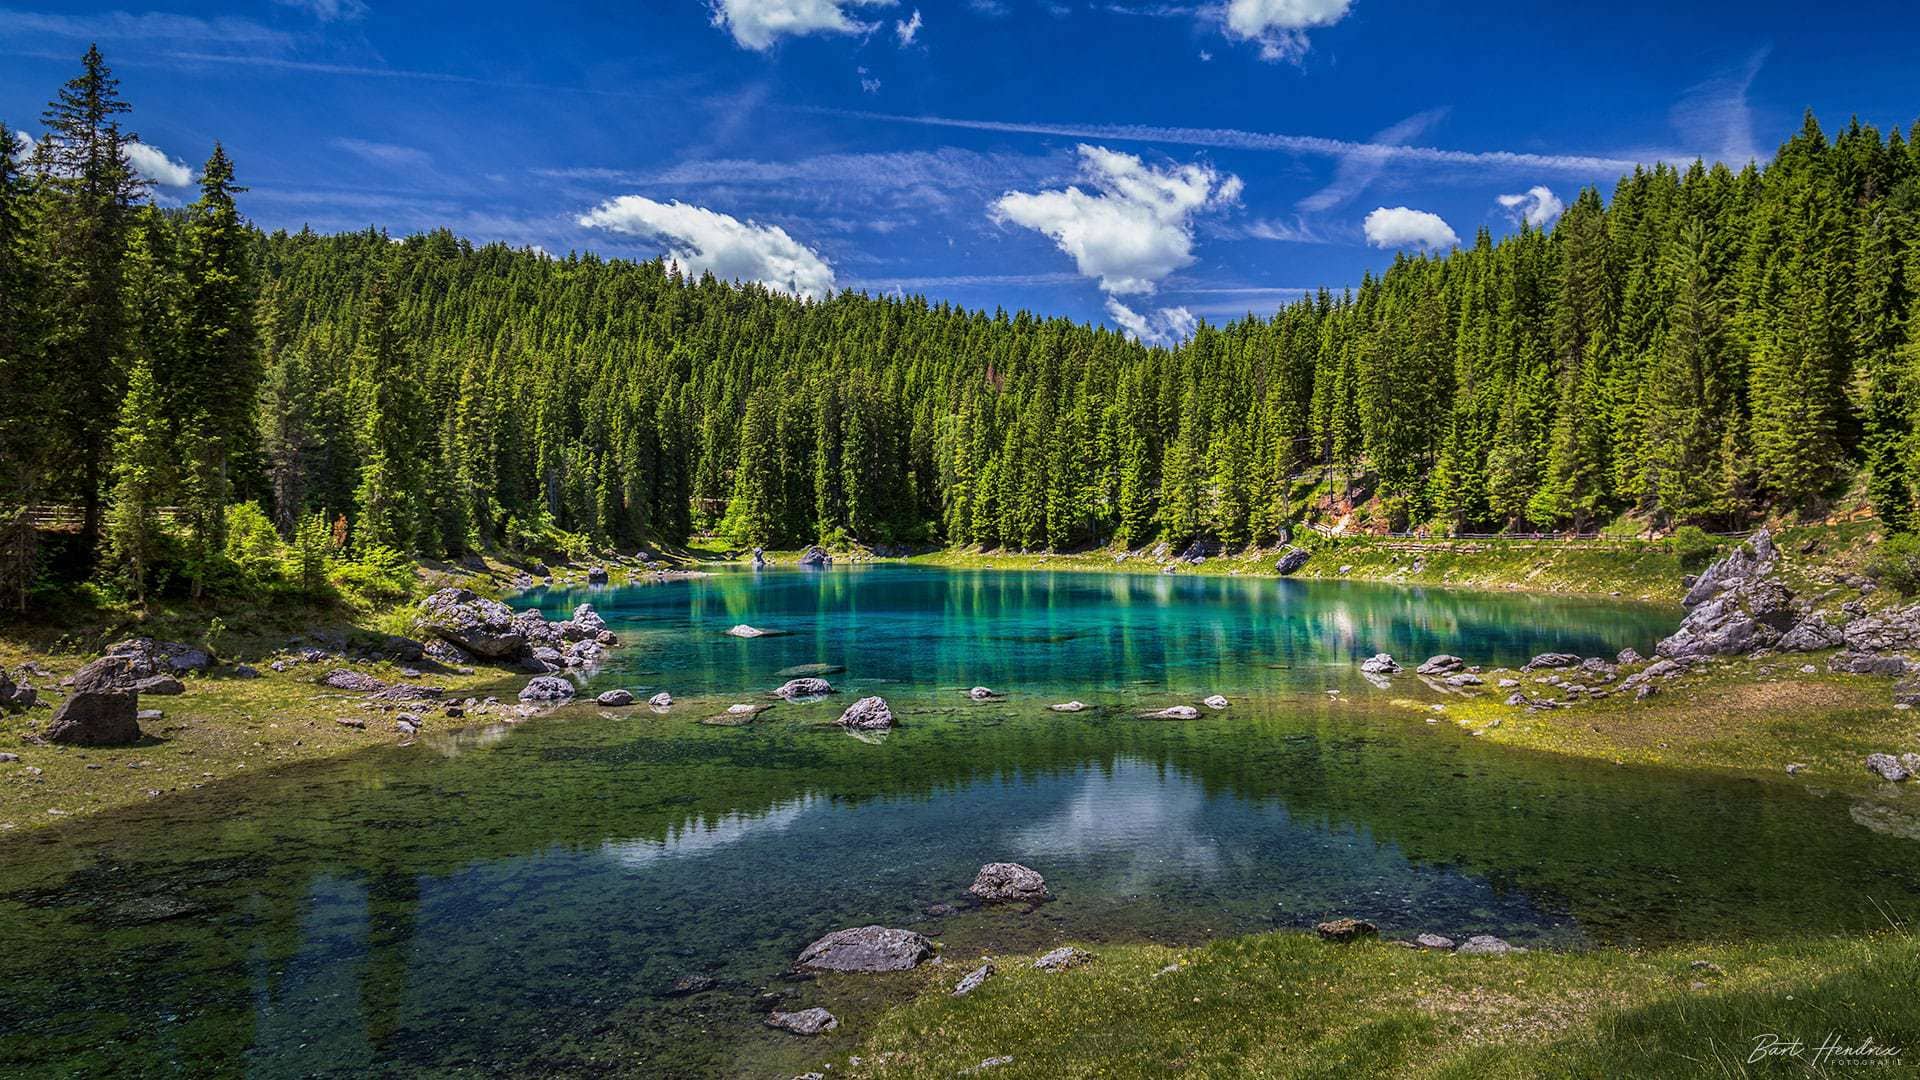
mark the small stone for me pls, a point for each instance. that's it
(1433, 941)
(7, 758)
(1487, 945)
(148, 714)
(981, 693)
(1174, 712)
(1063, 959)
(547, 688)
(867, 714)
(1344, 930)
(805, 1022)
(661, 700)
(1379, 664)
(866, 949)
(1887, 767)
(353, 722)
(690, 984)
(745, 631)
(803, 688)
(1795, 768)
(615, 698)
(1217, 701)
(974, 980)
(1068, 706)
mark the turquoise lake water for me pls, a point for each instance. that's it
(520, 900)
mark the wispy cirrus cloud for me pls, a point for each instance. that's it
(380, 153)
(1363, 164)
(1233, 139)
(329, 10)
(150, 26)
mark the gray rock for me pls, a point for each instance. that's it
(1748, 562)
(1444, 664)
(586, 622)
(804, 670)
(95, 718)
(1886, 767)
(974, 980)
(1064, 958)
(803, 688)
(1856, 663)
(1068, 706)
(476, 624)
(661, 700)
(356, 681)
(1811, 634)
(1795, 768)
(596, 575)
(1433, 941)
(745, 631)
(1487, 945)
(1465, 678)
(867, 714)
(1006, 882)
(1173, 712)
(816, 556)
(614, 698)
(549, 688)
(805, 1022)
(1379, 664)
(1630, 656)
(981, 693)
(245, 671)
(1911, 763)
(158, 685)
(1887, 631)
(866, 949)
(16, 696)
(1551, 660)
(1216, 701)
(1291, 561)
(446, 652)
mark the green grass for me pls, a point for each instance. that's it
(1289, 1005)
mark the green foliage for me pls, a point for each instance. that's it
(1694, 547)
(376, 575)
(1895, 563)
(252, 545)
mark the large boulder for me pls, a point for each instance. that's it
(1741, 618)
(537, 630)
(1006, 882)
(16, 696)
(615, 698)
(547, 688)
(159, 685)
(1886, 767)
(586, 623)
(816, 556)
(803, 688)
(125, 663)
(96, 718)
(1748, 562)
(805, 1022)
(1812, 634)
(481, 626)
(1444, 664)
(1291, 562)
(866, 949)
(867, 714)
(1380, 664)
(1888, 631)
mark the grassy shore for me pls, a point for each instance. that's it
(1290, 1005)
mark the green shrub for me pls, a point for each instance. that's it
(1896, 563)
(1693, 547)
(252, 544)
(376, 575)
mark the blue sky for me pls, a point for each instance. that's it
(1138, 163)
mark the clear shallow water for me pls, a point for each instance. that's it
(517, 901)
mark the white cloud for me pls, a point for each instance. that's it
(757, 24)
(1363, 164)
(1136, 228)
(329, 10)
(1168, 326)
(22, 148)
(702, 241)
(908, 30)
(144, 28)
(1400, 227)
(153, 163)
(1537, 206)
(1280, 26)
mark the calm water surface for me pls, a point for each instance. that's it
(519, 901)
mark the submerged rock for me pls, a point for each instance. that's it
(974, 980)
(1345, 929)
(805, 1022)
(1064, 958)
(802, 670)
(1006, 882)
(1174, 712)
(1068, 706)
(866, 949)
(1444, 664)
(867, 714)
(1379, 664)
(549, 688)
(803, 688)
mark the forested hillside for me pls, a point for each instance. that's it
(1704, 347)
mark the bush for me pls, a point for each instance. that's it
(1693, 547)
(1896, 563)
(376, 575)
(252, 544)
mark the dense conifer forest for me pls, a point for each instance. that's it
(1704, 347)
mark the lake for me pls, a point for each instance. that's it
(520, 900)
